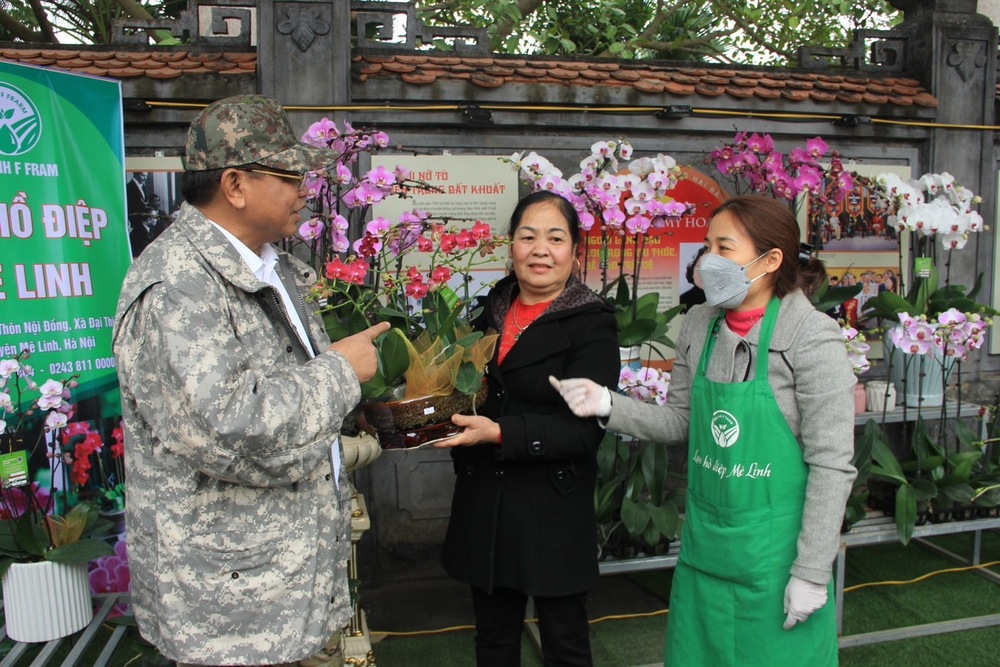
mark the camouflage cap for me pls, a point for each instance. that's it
(248, 129)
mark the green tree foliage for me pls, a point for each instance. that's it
(734, 31)
(75, 21)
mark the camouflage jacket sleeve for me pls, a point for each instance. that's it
(218, 381)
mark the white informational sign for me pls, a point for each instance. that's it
(466, 189)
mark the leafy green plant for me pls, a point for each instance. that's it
(931, 478)
(640, 321)
(926, 298)
(36, 536)
(631, 500)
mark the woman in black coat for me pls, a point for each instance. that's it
(522, 518)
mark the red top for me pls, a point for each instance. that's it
(743, 322)
(519, 317)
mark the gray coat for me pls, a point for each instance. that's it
(813, 383)
(238, 539)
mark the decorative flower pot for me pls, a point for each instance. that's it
(46, 600)
(414, 422)
(631, 356)
(880, 395)
(859, 398)
(919, 378)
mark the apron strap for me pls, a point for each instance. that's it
(766, 330)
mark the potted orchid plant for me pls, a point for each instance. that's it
(752, 165)
(937, 323)
(927, 334)
(43, 553)
(413, 272)
(633, 503)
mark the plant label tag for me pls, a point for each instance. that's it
(429, 411)
(14, 469)
(922, 267)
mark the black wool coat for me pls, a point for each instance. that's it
(522, 514)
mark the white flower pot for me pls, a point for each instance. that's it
(880, 395)
(919, 378)
(46, 600)
(631, 356)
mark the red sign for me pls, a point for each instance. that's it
(665, 253)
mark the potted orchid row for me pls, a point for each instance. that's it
(927, 335)
(927, 331)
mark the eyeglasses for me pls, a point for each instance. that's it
(300, 179)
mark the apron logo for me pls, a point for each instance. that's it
(725, 428)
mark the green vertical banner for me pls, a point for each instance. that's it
(64, 244)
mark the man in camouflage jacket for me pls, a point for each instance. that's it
(238, 507)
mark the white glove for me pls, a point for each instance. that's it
(802, 598)
(584, 397)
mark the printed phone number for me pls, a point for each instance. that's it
(70, 367)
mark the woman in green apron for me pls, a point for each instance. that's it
(762, 391)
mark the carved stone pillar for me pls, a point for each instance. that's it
(304, 55)
(953, 52)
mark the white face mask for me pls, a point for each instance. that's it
(726, 282)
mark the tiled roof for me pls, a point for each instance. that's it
(131, 64)
(646, 77)
(488, 72)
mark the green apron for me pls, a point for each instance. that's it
(746, 490)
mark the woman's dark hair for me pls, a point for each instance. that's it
(771, 224)
(198, 187)
(546, 197)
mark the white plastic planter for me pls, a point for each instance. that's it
(46, 600)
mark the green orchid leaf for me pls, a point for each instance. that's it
(862, 459)
(607, 456)
(906, 513)
(667, 519)
(82, 551)
(5, 564)
(923, 445)
(651, 535)
(647, 305)
(607, 498)
(961, 465)
(635, 516)
(654, 469)
(394, 357)
(634, 332)
(888, 466)
(967, 437)
(959, 492)
(469, 379)
(887, 306)
(926, 465)
(827, 298)
(635, 482)
(30, 535)
(924, 489)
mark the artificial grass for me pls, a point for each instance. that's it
(639, 641)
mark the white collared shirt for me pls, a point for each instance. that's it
(263, 269)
